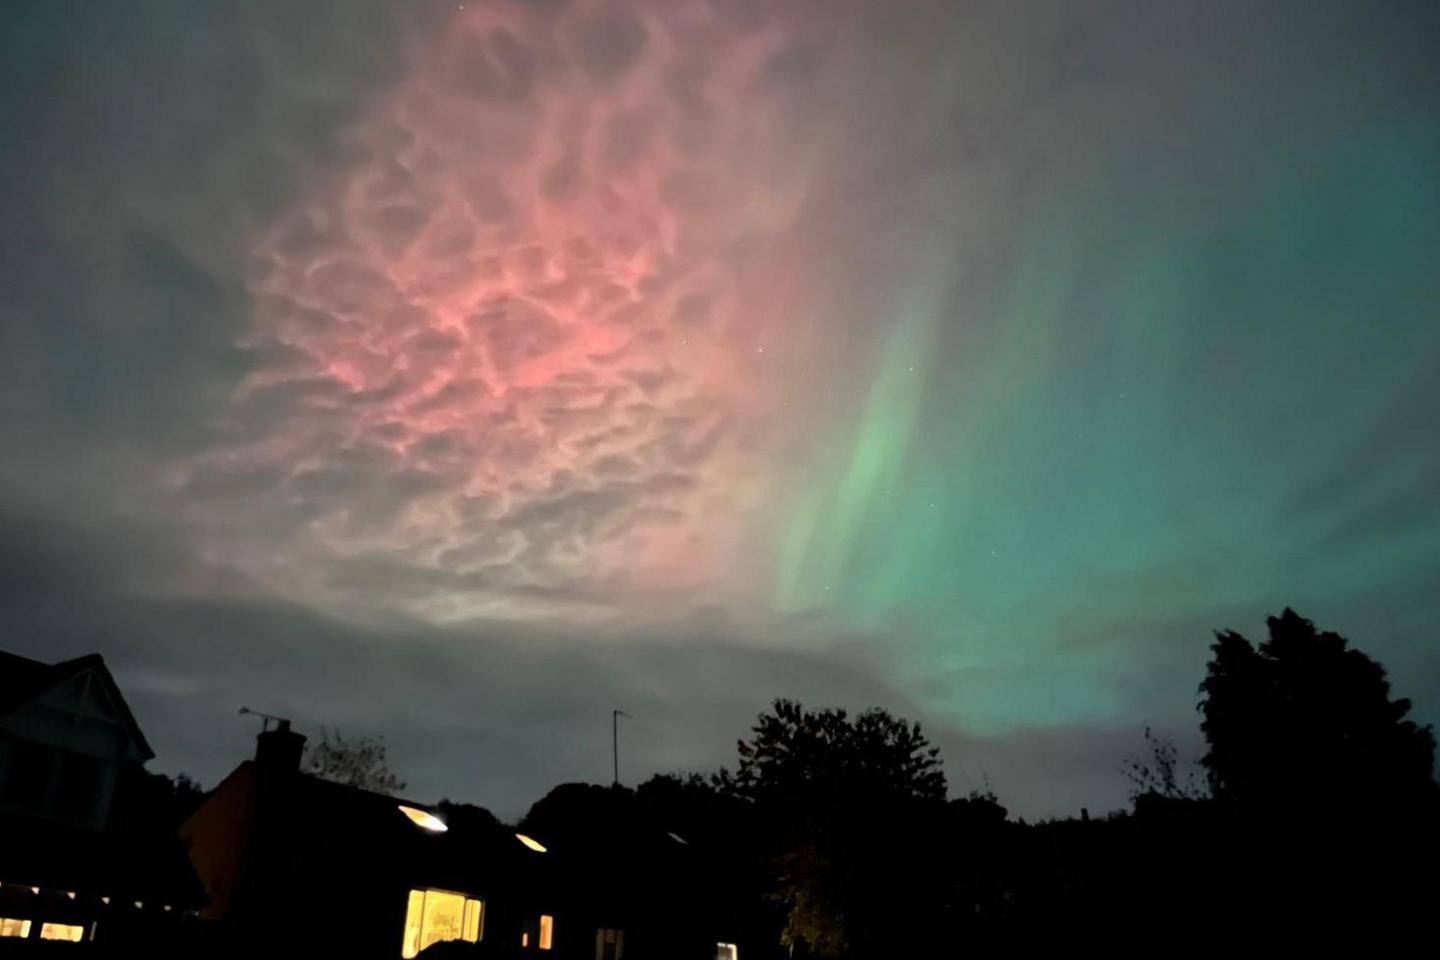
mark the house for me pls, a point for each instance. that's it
(649, 892)
(295, 864)
(78, 863)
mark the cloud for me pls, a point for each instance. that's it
(513, 287)
(495, 713)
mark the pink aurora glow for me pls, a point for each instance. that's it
(525, 342)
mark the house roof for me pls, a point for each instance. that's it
(330, 827)
(22, 680)
(340, 814)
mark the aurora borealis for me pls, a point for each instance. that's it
(460, 371)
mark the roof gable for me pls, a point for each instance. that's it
(83, 685)
(21, 680)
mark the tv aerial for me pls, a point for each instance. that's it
(265, 719)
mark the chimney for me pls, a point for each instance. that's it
(279, 750)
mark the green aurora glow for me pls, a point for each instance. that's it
(1137, 435)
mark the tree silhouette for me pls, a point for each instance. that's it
(1157, 775)
(1303, 723)
(358, 762)
(852, 807)
(796, 752)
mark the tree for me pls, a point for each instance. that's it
(1303, 723)
(1157, 774)
(852, 808)
(803, 753)
(359, 762)
(146, 801)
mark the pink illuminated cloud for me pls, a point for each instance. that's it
(516, 338)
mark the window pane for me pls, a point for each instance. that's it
(78, 784)
(444, 917)
(14, 928)
(61, 931)
(609, 944)
(547, 930)
(474, 913)
(27, 775)
(410, 945)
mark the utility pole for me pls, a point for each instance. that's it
(615, 716)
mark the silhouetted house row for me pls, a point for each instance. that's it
(72, 868)
(298, 863)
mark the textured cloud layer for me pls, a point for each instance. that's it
(513, 343)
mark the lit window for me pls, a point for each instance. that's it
(547, 931)
(727, 951)
(424, 819)
(434, 916)
(14, 928)
(609, 944)
(474, 921)
(531, 842)
(62, 931)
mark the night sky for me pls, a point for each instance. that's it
(459, 372)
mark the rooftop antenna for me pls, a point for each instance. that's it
(265, 719)
(615, 716)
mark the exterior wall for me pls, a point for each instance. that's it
(218, 836)
(71, 737)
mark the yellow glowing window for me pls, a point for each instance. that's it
(434, 916)
(547, 931)
(14, 928)
(474, 921)
(62, 931)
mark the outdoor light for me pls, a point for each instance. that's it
(679, 839)
(530, 842)
(424, 819)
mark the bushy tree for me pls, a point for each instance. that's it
(1304, 723)
(853, 807)
(794, 752)
(357, 762)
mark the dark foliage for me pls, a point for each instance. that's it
(796, 753)
(1305, 726)
(851, 810)
(1159, 774)
(357, 762)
